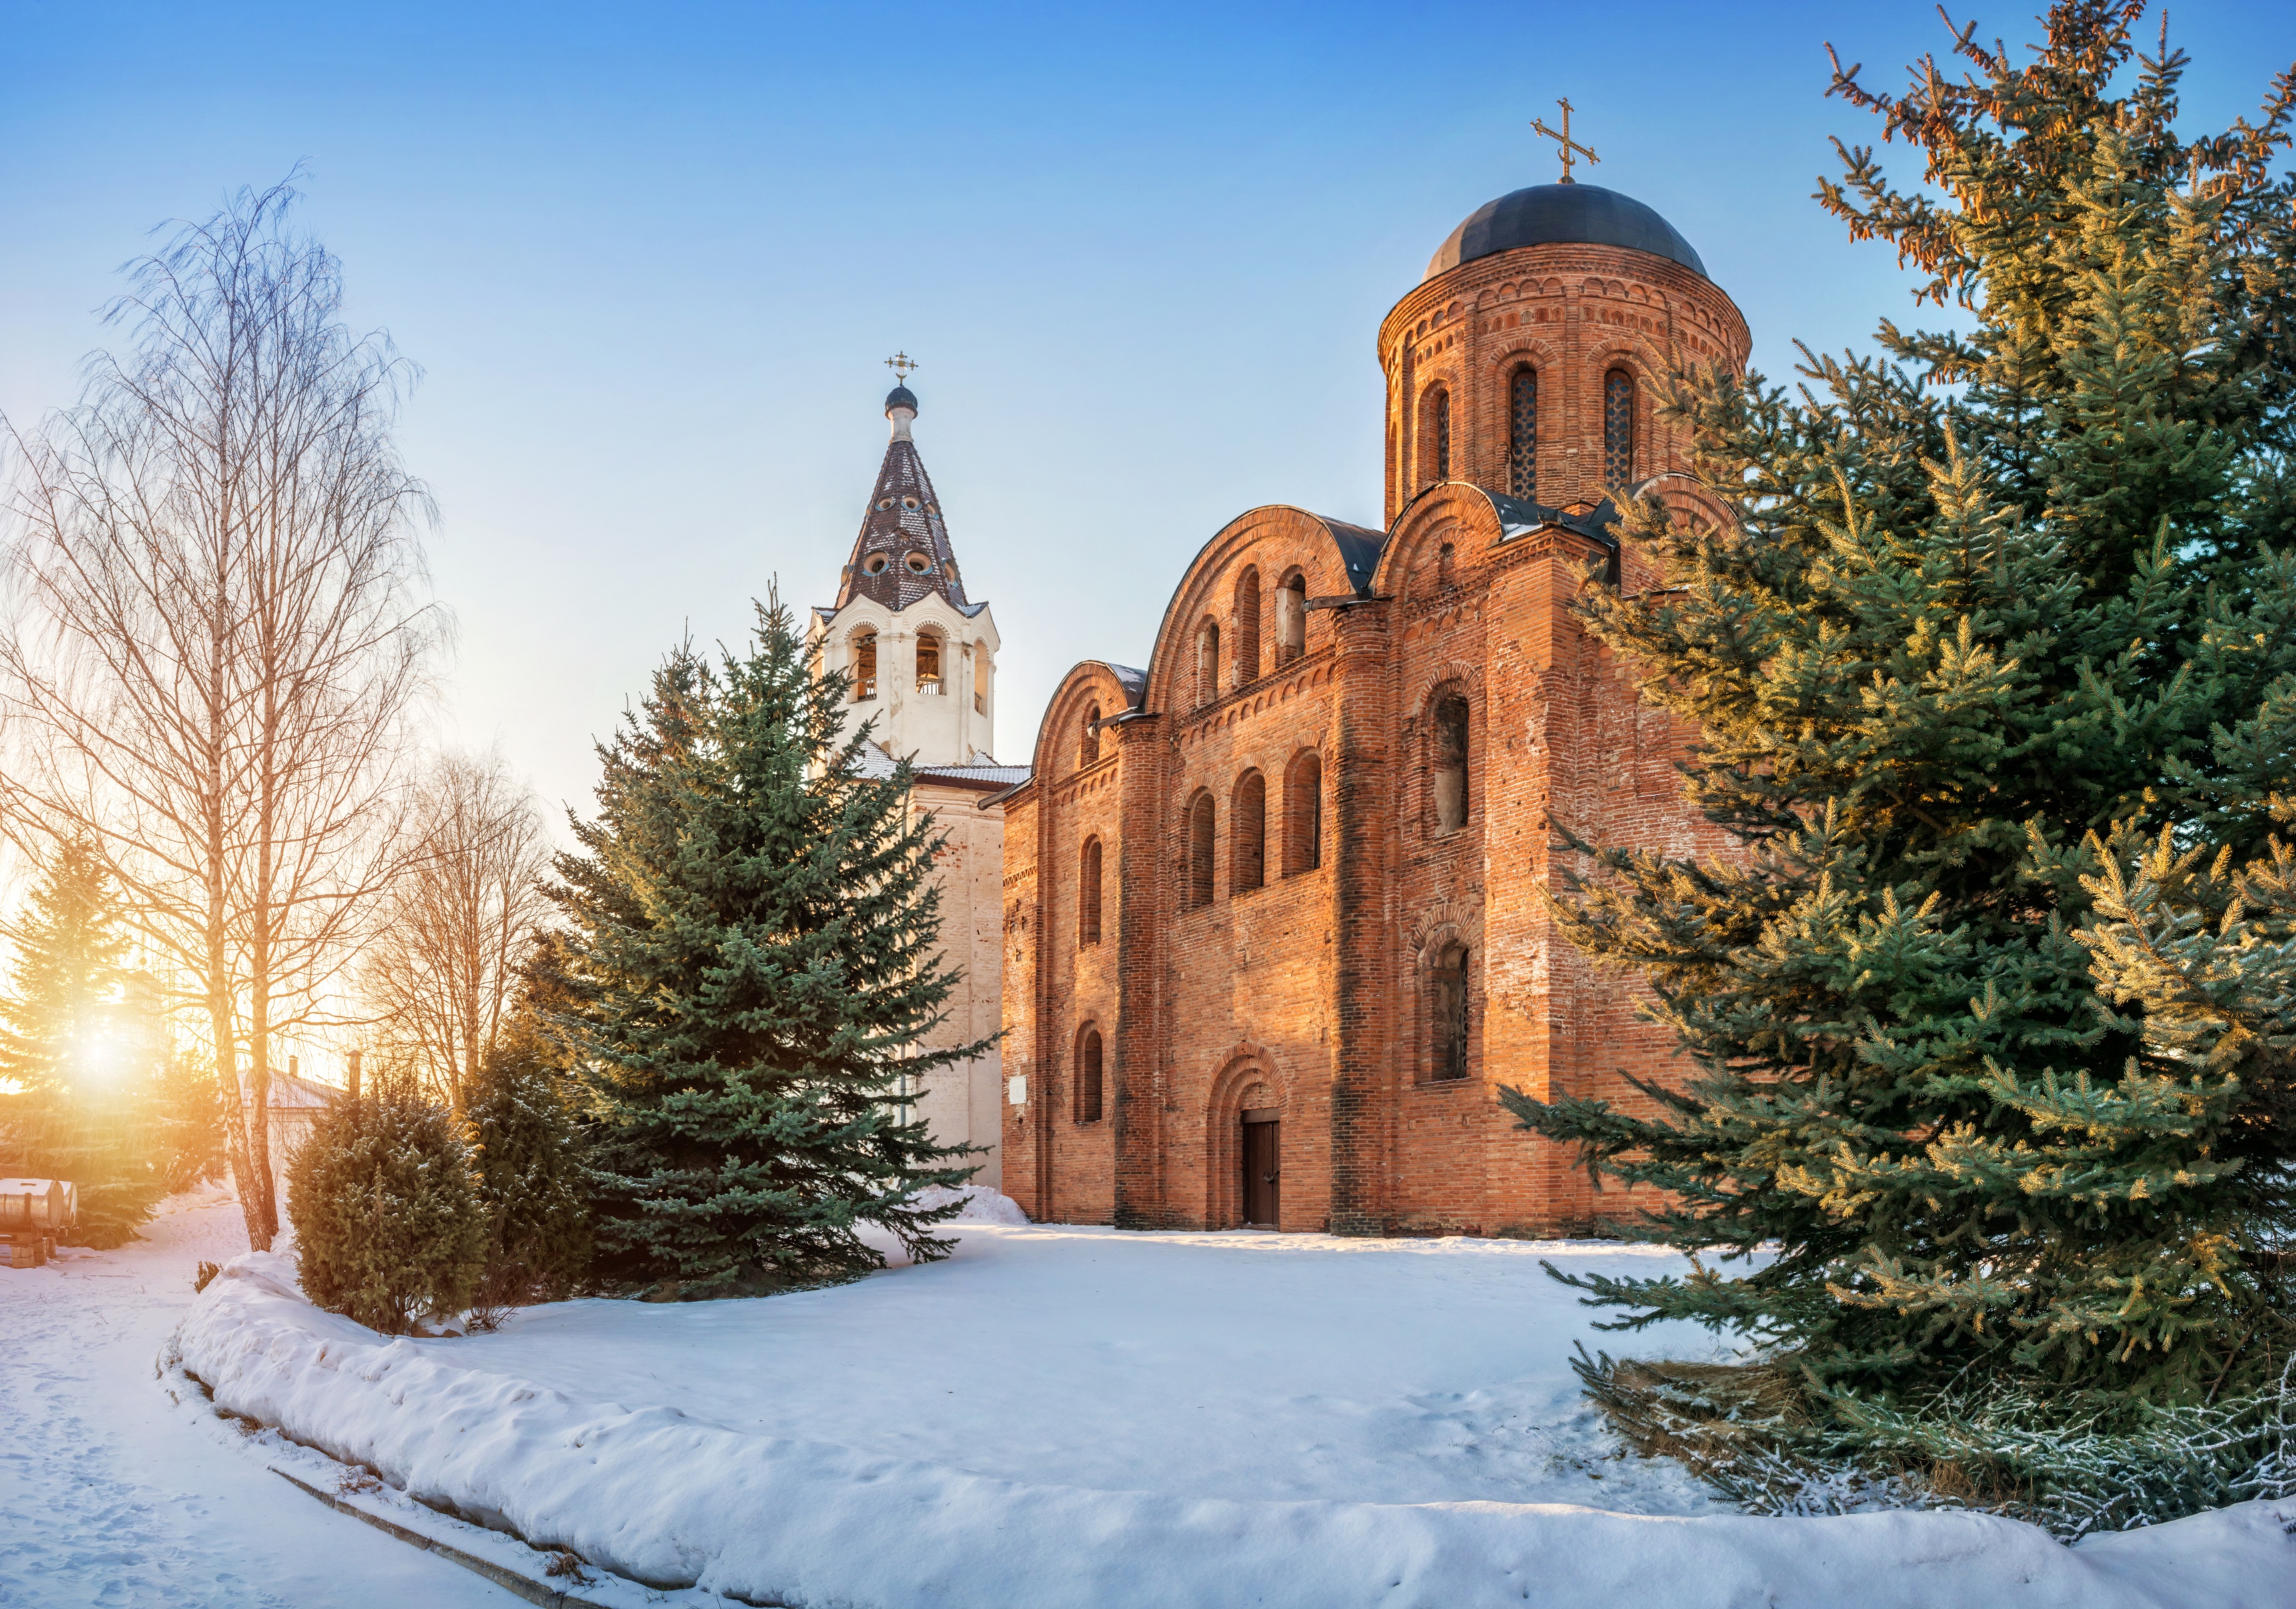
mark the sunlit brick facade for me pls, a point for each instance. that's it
(1274, 919)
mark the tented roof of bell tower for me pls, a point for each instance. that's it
(902, 552)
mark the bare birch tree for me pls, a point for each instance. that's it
(455, 925)
(215, 633)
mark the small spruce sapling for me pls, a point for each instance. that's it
(388, 1222)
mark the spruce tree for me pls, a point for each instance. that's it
(532, 1179)
(753, 944)
(1989, 616)
(385, 1204)
(84, 1063)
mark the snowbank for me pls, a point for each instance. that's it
(983, 1205)
(675, 1500)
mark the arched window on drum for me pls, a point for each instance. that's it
(1522, 433)
(1618, 429)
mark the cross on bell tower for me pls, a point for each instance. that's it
(1563, 139)
(903, 366)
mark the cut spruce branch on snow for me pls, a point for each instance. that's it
(671, 1499)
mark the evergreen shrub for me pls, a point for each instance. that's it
(531, 1176)
(385, 1203)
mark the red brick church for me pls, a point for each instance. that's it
(1273, 929)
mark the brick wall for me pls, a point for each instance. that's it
(1311, 995)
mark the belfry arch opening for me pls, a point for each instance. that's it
(1291, 617)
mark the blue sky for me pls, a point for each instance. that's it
(650, 257)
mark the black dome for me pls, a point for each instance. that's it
(901, 397)
(1546, 215)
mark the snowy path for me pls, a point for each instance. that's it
(109, 1494)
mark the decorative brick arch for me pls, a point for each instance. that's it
(1248, 1077)
(1276, 539)
(1445, 922)
(1462, 674)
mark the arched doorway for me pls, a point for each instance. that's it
(1261, 1153)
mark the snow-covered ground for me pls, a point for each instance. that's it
(112, 1494)
(1063, 1417)
(1241, 1365)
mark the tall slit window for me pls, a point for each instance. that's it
(1438, 434)
(1088, 894)
(1247, 857)
(1447, 1013)
(1449, 763)
(1303, 813)
(1208, 661)
(865, 667)
(1089, 1081)
(1247, 627)
(1522, 433)
(1088, 737)
(928, 662)
(1203, 826)
(1618, 428)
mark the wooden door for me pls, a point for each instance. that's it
(1262, 1173)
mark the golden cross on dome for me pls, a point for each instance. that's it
(1563, 139)
(903, 366)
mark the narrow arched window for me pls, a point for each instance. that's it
(1208, 661)
(980, 678)
(928, 662)
(1088, 1079)
(1438, 434)
(1201, 829)
(1247, 626)
(1088, 737)
(1522, 433)
(1303, 813)
(1618, 428)
(1448, 763)
(1088, 894)
(1447, 1013)
(865, 666)
(1292, 618)
(1247, 856)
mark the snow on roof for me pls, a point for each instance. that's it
(999, 777)
(290, 1093)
